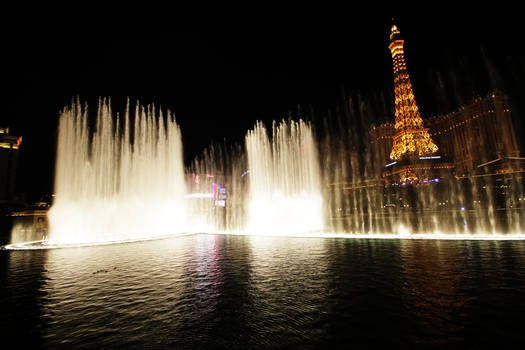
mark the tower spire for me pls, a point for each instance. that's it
(411, 138)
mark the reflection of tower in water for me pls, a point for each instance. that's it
(432, 286)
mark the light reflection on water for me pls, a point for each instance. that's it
(207, 291)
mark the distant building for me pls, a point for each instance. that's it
(9, 145)
(474, 134)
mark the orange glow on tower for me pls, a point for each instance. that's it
(410, 138)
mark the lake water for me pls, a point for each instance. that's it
(248, 292)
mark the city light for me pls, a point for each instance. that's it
(199, 195)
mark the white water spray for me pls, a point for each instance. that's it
(123, 182)
(285, 187)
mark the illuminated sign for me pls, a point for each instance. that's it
(430, 157)
(222, 193)
(219, 191)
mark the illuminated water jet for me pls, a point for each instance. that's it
(123, 182)
(285, 193)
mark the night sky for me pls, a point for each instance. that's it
(220, 79)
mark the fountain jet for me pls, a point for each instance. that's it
(285, 194)
(122, 181)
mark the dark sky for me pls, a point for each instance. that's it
(220, 79)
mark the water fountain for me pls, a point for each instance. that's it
(125, 181)
(285, 194)
(270, 185)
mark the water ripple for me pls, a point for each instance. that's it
(216, 291)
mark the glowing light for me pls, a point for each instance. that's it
(199, 195)
(403, 234)
(403, 230)
(214, 190)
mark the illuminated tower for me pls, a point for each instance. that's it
(411, 139)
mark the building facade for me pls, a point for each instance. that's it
(9, 145)
(476, 133)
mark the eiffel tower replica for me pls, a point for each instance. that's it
(414, 154)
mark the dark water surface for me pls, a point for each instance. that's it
(214, 291)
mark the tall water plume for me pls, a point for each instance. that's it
(285, 193)
(122, 181)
